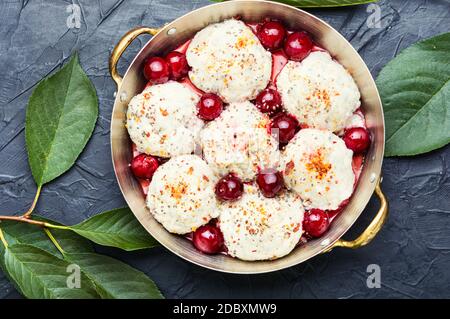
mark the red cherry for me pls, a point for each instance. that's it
(156, 70)
(357, 139)
(268, 101)
(316, 222)
(270, 181)
(298, 45)
(209, 107)
(178, 65)
(208, 239)
(271, 34)
(144, 166)
(229, 187)
(287, 126)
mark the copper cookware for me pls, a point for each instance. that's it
(182, 29)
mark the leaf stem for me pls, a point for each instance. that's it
(33, 205)
(56, 226)
(2, 238)
(54, 241)
(27, 220)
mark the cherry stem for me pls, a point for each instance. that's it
(33, 205)
(54, 241)
(2, 238)
(23, 219)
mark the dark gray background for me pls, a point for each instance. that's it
(413, 249)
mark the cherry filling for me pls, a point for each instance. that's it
(284, 126)
(144, 166)
(357, 139)
(156, 70)
(315, 222)
(208, 239)
(270, 182)
(271, 34)
(209, 107)
(269, 101)
(333, 213)
(229, 187)
(178, 65)
(298, 45)
(284, 45)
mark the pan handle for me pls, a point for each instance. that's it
(122, 46)
(372, 230)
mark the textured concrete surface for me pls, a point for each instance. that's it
(413, 250)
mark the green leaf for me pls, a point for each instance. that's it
(22, 233)
(116, 228)
(320, 3)
(113, 279)
(60, 118)
(415, 90)
(38, 274)
(110, 278)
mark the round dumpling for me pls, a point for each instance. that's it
(259, 228)
(181, 194)
(319, 92)
(238, 141)
(162, 120)
(318, 167)
(228, 59)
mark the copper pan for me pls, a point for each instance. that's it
(182, 29)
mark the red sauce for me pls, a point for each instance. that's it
(279, 59)
(183, 48)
